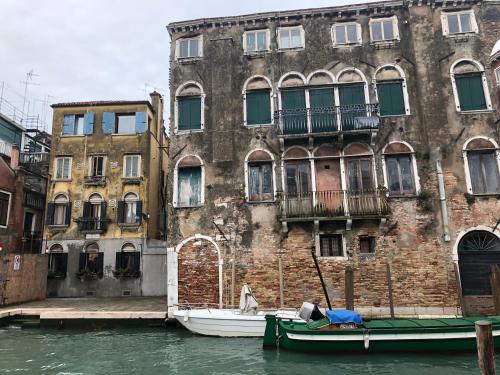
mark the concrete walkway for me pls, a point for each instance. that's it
(91, 308)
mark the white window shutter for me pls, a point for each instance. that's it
(396, 28)
(200, 46)
(359, 33)
(245, 41)
(268, 37)
(177, 49)
(303, 37)
(444, 24)
(473, 22)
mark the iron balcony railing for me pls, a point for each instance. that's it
(34, 157)
(87, 224)
(328, 119)
(94, 180)
(334, 203)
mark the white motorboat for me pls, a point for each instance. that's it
(246, 321)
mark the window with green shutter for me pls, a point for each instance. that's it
(323, 115)
(470, 92)
(258, 107)
(293, 104)
(352, 100)
(391, 99)
(189, 113)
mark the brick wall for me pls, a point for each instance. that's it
(29, 283)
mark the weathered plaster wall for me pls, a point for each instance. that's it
(412, 239)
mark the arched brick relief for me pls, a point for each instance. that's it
(198, 272)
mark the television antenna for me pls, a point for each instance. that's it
(28, 81)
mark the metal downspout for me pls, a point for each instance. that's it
(442, 199)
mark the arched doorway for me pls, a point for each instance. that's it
(477, 251)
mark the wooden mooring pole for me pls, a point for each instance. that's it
(349, 288)
(485, 348)
(495, 287)
(389, 285)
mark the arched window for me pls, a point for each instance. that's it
(59, 211)
(400, 171)
(189, 180)
(322, 101)
(358, 159)
(353, 99)
(469, 86)
(260, 176)
(482, 166)
(130, 210)
(58, 262)
(189, 107)
(258, 101)
(94, 214)
(293, 103)
(390, 84)
(91, 261)
(128, 261)
(297, 171)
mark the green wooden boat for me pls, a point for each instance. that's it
(412, 335)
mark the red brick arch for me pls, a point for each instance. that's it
(198, 273)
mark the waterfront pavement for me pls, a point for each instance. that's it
(91, 308)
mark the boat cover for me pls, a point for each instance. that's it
(248, 303)
(344, 316)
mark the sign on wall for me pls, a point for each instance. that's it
(17, 262)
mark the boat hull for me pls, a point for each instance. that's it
(445, 336)
(223, 323)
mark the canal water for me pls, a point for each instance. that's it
(176, 351)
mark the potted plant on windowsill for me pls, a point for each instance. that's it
(57, 275)
(125, 273)
(87, 275)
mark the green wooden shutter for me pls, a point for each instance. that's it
(323, 115)
(189, 113)
(49, 216)
(258, 107)
(100, 264)
(470, 92)
(391, 100)
(82, 262)
(351, 96)
(294, 122)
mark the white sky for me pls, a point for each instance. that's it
(102, 49)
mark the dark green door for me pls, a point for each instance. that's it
(293, 104)
(352, 99)
(323, 116)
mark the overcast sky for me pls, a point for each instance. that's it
(102, 49)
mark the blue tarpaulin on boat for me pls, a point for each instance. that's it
(344, 316)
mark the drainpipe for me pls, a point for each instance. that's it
(442, 199)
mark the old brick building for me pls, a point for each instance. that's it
(105, 221)
(365, 133)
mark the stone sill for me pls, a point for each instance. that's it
(131, 180)
(188, 60)
(58, 228)
(129, 227)
(188, 132)
(295, 49)
(347, 45)
(477, 111)
(256, 54)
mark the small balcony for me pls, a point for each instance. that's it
(34, 158)
(328, 120)
(333, 204)
(94, 181)
(92, 225)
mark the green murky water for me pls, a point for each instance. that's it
(176, 351)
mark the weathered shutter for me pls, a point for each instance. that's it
(100, 263)
(103, 210)
(470, 92)
(49, 218)
(323, 118)
(69, 125)
(108, 122)
(140, 122)
(391, 100)
(67, 219)
(119, 260)
(64, 263)
(138, 212)
(88, 123)
(87, 209)
(120, 212)
(258, 107)
(81, 262)
(189, 113)
(137, 261)
(294, 123)
(352, 97)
